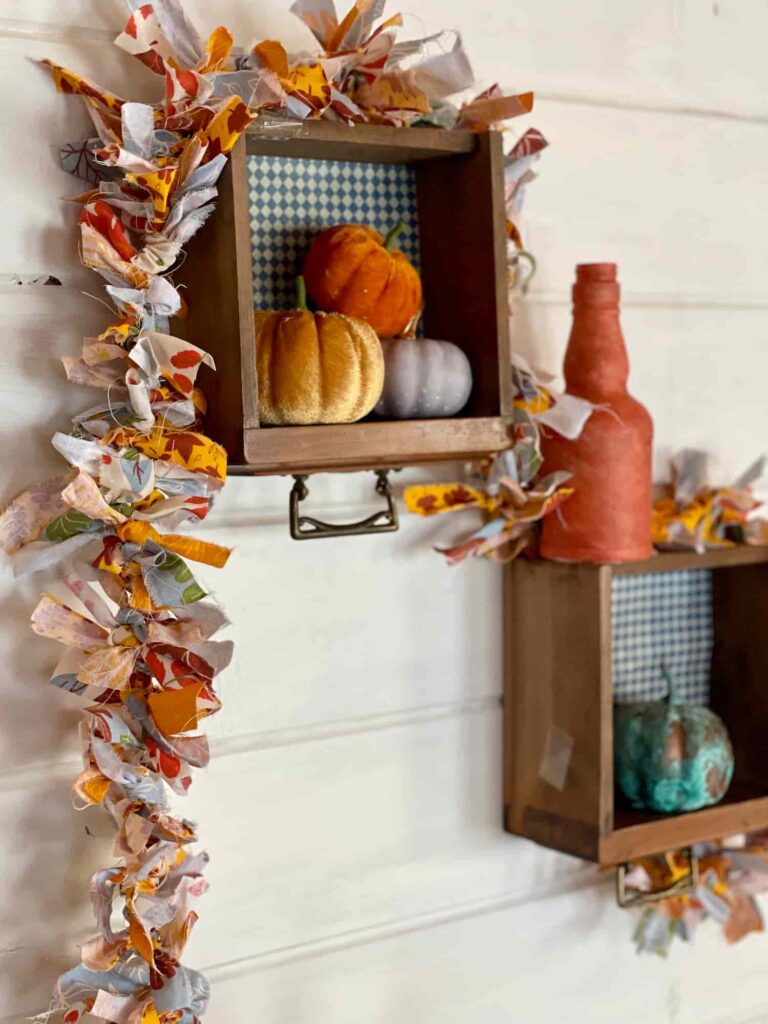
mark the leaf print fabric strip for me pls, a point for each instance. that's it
(512, 495)
(30, 512)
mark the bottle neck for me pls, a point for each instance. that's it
(596, 363)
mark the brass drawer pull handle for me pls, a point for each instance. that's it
(685, 885)
(308, 528)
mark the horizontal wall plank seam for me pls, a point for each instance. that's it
(353, 726)
(30, 775)
(541, 297)
(38, 31)
(384, 930)
(660, 300)
(396, 927)
(670, 109)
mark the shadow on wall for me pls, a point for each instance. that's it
(47, 853)
(49, 850)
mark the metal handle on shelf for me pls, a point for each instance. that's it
(308, 528)
(685, 885)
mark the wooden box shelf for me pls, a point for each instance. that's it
(558, 682)
(460, 198)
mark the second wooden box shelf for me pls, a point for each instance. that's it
(559, 692)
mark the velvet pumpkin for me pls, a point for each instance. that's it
(315, 367)
(670, 756)
(423, 379)
(353, 269)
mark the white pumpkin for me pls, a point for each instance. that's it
(423, 379)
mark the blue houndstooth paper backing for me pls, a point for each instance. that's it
(662, 618)
(293, 199)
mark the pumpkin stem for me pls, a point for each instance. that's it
(393, 235)
(301, 293)
(412, 327)
(671, 697)
(522, 255)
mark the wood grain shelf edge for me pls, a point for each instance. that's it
(718, 558)
(673, 561)
(675, 831)
(323, 140)
(371, 445)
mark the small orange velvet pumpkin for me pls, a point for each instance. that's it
(316, 367)
(353, 269)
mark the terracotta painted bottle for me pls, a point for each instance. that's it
(608, 518)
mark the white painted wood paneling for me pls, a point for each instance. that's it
(397, 824)
(677, 201)
(555, 960)
(41, 323)
(352, 807)
(308, 610)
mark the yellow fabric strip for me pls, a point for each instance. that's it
(187, 547)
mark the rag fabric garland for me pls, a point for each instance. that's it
(518, 173)
(731, 874)
(139, 644)
(695, 516)
(512, 494)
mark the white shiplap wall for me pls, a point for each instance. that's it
(352, 807)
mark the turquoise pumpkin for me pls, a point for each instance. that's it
(670, 756)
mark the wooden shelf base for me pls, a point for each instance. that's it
(351, 446)
(640, 834)
(637, 834)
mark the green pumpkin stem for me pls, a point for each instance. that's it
(671, 697)
(301, 293)
(530, 259)
(393, 235)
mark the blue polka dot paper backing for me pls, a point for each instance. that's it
(290, 200)
(662, 618)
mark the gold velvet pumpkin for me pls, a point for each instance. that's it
(353, 269)
(316, 367)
